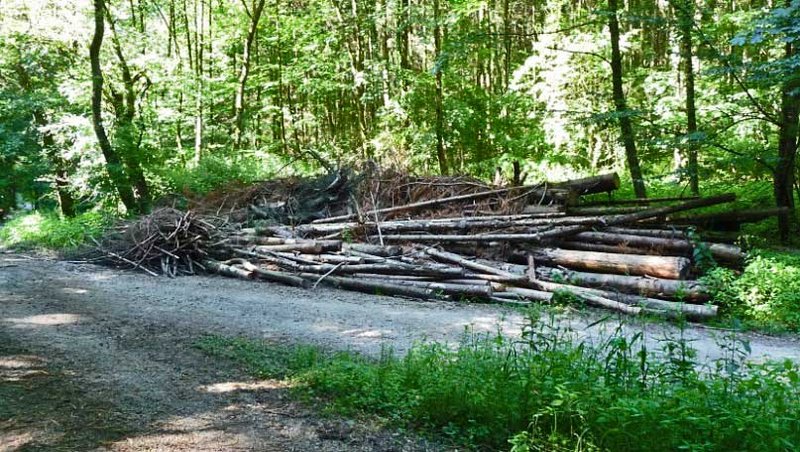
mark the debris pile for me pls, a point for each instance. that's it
(451, 238)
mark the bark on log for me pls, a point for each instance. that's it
(377, 287)
(278, 277)
(588, 295)
(692, 291)
(376, 250)
(662, 233)
(593, 184)
(669, 267)
(640, 201)
(730, 253)
(727, 221)
(227, 270)
(449, 288)
(473, 266)
(605, 210)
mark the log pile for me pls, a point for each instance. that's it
(466, 241)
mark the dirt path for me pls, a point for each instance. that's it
(92, 358)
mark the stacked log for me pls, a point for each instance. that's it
(625, 255)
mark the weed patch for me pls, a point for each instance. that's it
(547, 392)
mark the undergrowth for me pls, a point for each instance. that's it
(766, 294)
(49, 230)
(548, 392)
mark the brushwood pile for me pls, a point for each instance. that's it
(446, 238)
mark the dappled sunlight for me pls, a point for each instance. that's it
(73, 290)
(20, 367)
(233, 386)
(45, 319)
(190, 440)
(368, 333)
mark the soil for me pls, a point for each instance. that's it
(93, 358)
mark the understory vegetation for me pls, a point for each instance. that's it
(547, 391)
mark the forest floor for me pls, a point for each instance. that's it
(95, 358)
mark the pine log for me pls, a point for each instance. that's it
(669, 267)
(604, 248)
(377, 287)
(718, 251)
(273, 276)
(588, 295)
(691, 291)
(593, 184)
(375, 250)
(227, 270)
(662, 233)
(640, 201)
(727, 221)
(605, 210)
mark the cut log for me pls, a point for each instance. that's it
(603, 248)
(305, 246)
(605, 210)
(449, 288)
(692, 291)
(662, 233)
(593, 184)
(588, 295)
(669, 267)
(227, 270)
(727, 221)
(724, 252)
(473, 266)
(375, 250)
(278, 277)
(639, 201)
(378, 287)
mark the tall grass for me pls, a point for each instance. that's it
(546, 391)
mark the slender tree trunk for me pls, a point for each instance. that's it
(66, 202)
(686, 21)
(783, 182)
(114, 165)
(625, 124)
(239, 106)
(441, 155)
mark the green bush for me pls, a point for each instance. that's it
(49, 230)
(547, 392)
(767, 292)
(214, 172)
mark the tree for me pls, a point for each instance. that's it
(114, 165)
(239, 105)
(623, 114)
(685, 12)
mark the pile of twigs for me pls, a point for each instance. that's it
(167, 241)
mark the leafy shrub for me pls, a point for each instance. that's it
(214, 172)
(49, 230)
(547, 392)
(767, 292)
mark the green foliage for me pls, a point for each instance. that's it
(49, 230)
(547, 392)
(767, 293)
(214, 172)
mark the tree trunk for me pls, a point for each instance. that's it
(255, 17)
(114, 164)
(624, 115)
(686, 22)
(441, 155)
(783, 182)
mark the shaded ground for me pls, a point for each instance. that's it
(92, 358)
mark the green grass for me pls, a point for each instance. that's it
(48, 230)
(547, 392)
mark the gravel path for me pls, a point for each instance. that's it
(123, 340)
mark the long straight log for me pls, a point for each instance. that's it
(376, 250)
(278, 277)
(640, 201)
(727, 220)
(227, 270)
(591, 298)
(669, 267)
(593, 184)
(449, 288)
(661, 233)
(378, 287)
(719, 251)
(691, 291)
(605, 210)
(453, 258)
